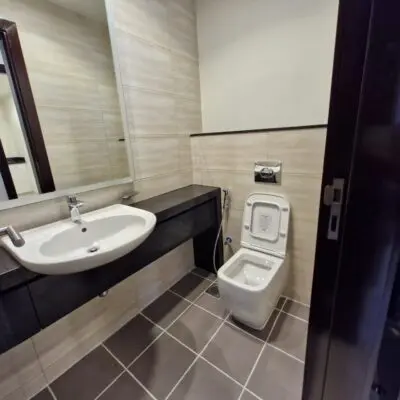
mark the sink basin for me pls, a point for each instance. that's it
(65, 247)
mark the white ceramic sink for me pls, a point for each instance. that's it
(65, 247)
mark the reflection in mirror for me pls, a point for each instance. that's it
(15, 155)
(67, 52)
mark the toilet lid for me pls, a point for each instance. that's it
(266, 223)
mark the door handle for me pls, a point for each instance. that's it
(333, 197)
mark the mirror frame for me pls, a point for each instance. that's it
(6, 175)
(17, 72)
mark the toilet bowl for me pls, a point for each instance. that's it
(251, 281)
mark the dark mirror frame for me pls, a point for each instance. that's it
(18, 74)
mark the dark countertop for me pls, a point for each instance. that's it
(164, 206)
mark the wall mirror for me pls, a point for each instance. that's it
(60, 121)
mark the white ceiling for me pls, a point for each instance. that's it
(92, 9)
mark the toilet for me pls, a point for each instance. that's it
(251, 281)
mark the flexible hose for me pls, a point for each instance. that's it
(225, 205)
(216, 243)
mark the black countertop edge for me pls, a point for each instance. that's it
(164, 206)
(286, 128)
(15, 160)
(169, 204)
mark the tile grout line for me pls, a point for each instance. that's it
(297, 301)
(195, 359)
(164, 331)
(294, 316)
(194, 273)
(287, 354)
(129, 373)
(52, 392)
(261, 351)
(225, 320)
(109, 385)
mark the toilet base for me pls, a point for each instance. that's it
(250, 284)
(250, 324)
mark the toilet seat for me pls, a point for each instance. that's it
(250, 270)
(265, 223)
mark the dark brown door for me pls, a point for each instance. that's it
(357, 254)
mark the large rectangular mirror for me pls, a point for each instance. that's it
(60, 120)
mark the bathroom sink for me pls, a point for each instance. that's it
(65, 247)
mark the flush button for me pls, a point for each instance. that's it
(249, 204)
(247, 227)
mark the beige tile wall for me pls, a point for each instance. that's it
(228, 161)
(71, 71)
(27, 368)
(155, 45)
(156, 49)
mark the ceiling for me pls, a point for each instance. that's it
(92, 9)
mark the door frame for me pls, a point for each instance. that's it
(330, 321)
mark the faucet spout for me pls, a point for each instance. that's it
(73, 205)
(15, 237)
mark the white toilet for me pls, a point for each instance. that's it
(251, 282)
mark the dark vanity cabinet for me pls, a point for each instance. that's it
(18, 319)
(32, 302)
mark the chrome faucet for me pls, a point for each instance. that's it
(73, 205)
(14, 235)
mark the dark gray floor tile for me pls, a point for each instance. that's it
(277, 376)
(290, 335)
(248, 396)
(165, 309)
(205, 382)
(280, 302)
(195, 328)
(132, 339)
(161, 366)
(233, 351)
(297, 309)
(87, 378)
(43, 395)
(212, 304)
(263, 335)
(125, 388)
(205, 274)
(191, 286)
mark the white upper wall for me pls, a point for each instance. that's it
(265, 63)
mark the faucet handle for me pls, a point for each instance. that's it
(73, 202)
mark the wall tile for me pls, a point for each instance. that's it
(302, 151)
(130, 16)
(182, 29)
(228, 153)
(157, 156)
(143, 65)
(186, 77)
(149, 113)
(188, 116)
(18, 367)
(162, 183)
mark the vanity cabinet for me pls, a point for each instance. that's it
(38, 300)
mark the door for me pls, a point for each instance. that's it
(357, 249)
